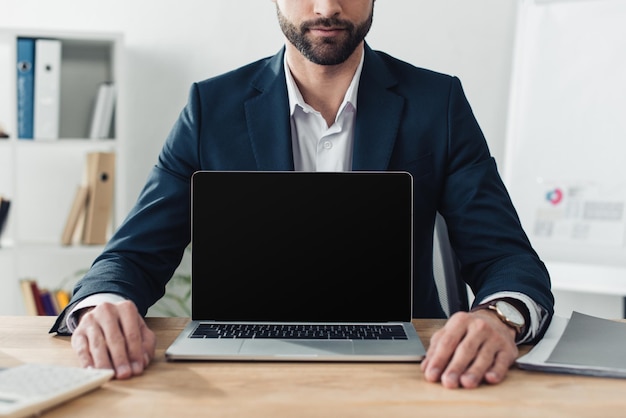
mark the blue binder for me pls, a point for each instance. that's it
(25, 87)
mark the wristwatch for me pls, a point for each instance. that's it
(507, 313)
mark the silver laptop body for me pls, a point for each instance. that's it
(295, 254)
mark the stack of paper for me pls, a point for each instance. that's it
(583, 345)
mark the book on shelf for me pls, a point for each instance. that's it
(3, 132)
(90, 215)
(43, 301)
(5, 204)
(102, 115)
(49, 303)
(25, 87)
(29, 297)
(32, 297)
(63, 298)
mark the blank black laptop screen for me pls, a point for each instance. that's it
(301, 246)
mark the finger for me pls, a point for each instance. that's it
(98, 350)
(443, 346)
(495, 354)
(149, 343)
(472, 358)
(491, 364)
(80, 344)
(97, 345)
(431, 373)
(463, 356)
(501, 365)
(110, 324)
(473, 375)
(131, 331)
(429, 351)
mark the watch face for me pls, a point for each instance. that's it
(509, 311)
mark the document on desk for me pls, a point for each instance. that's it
(583, 344)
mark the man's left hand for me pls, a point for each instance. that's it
(470, 348)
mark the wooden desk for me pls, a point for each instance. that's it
(227, 389)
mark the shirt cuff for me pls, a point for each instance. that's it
(92, 300)
(538, 315)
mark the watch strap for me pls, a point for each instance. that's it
(518, 305)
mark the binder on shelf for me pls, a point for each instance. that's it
(25, 87)
(47, 88)
(100, 171)
(102, 115)
(76, 217)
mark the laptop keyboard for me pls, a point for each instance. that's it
(299, 331)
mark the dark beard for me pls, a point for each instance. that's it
(329, 51)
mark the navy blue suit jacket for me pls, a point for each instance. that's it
(408, 119)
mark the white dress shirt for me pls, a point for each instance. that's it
(319, 147)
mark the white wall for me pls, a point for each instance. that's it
(170, 44)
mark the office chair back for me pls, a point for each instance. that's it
(446, 269)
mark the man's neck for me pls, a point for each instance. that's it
(323, 87)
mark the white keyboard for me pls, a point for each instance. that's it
(31, 388)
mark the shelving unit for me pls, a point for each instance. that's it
(41, 176)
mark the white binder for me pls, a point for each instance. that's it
(47, 88)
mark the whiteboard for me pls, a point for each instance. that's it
(565, 159)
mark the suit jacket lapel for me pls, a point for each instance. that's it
(379, 112)
(267, 116)
(378, 117)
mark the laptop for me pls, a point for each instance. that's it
(300, 266)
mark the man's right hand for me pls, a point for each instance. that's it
(114, 336)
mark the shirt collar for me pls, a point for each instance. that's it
(296, 99)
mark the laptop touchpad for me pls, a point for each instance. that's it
(296, 347)
(214, 346)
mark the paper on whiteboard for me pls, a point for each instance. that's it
(580, 212)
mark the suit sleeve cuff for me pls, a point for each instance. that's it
(71, 320)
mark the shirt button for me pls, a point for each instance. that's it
(327, 144)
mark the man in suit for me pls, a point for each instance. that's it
(328, 102)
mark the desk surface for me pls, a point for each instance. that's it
(305, 389)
